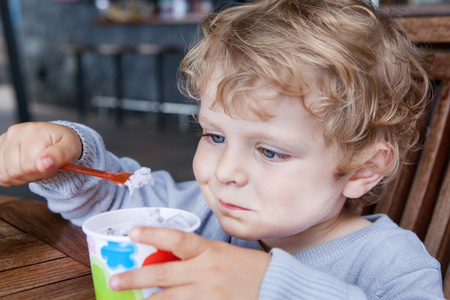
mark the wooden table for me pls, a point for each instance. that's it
(42, 256)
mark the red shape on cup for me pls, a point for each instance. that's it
(159, 256)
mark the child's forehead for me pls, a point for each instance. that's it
(260, 95)
(261, 105)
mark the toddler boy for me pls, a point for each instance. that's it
(306, 107)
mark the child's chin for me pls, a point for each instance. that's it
(240, 232)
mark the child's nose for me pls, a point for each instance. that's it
(231, 168)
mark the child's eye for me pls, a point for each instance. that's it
(218, 139)
(272, 154)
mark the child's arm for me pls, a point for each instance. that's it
(34, 151)
(290, 278)
(217, 270)
(208, 269)
(77, 197)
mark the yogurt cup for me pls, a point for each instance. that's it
(111, 251)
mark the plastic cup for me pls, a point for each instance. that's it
(112, 254)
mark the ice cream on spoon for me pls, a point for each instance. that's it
(142, 177)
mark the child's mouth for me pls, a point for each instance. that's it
(232, 207)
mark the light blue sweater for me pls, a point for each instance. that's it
(381, 261)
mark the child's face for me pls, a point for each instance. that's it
(268, 180)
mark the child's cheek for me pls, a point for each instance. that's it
(199, 165)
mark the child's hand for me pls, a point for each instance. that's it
(35, 150)
(208, 269)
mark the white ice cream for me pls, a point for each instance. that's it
(153, 219)
(142, 177)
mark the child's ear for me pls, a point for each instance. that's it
(365, 178)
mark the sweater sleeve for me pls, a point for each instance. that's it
(77, 197)
(287, 278)
(391, 264)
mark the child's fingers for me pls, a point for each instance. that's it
(8, 169)
(13, 151)
(207, 266)
(35, 150)
(166, 274)
(182, 244)
(53, 157)
(63, 146)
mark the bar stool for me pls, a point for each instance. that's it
(158, 52)
(117, 52)
(78, 50)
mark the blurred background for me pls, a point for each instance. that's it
(112, 65)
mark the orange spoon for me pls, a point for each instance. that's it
(117, 178)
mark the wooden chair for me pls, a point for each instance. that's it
(422, 189)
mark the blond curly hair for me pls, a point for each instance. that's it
(374, 82)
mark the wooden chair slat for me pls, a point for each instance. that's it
(417, 211)
(441, 65)
(427, 30)
(419, 198)
(441, 217)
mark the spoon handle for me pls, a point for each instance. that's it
(118, 178)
